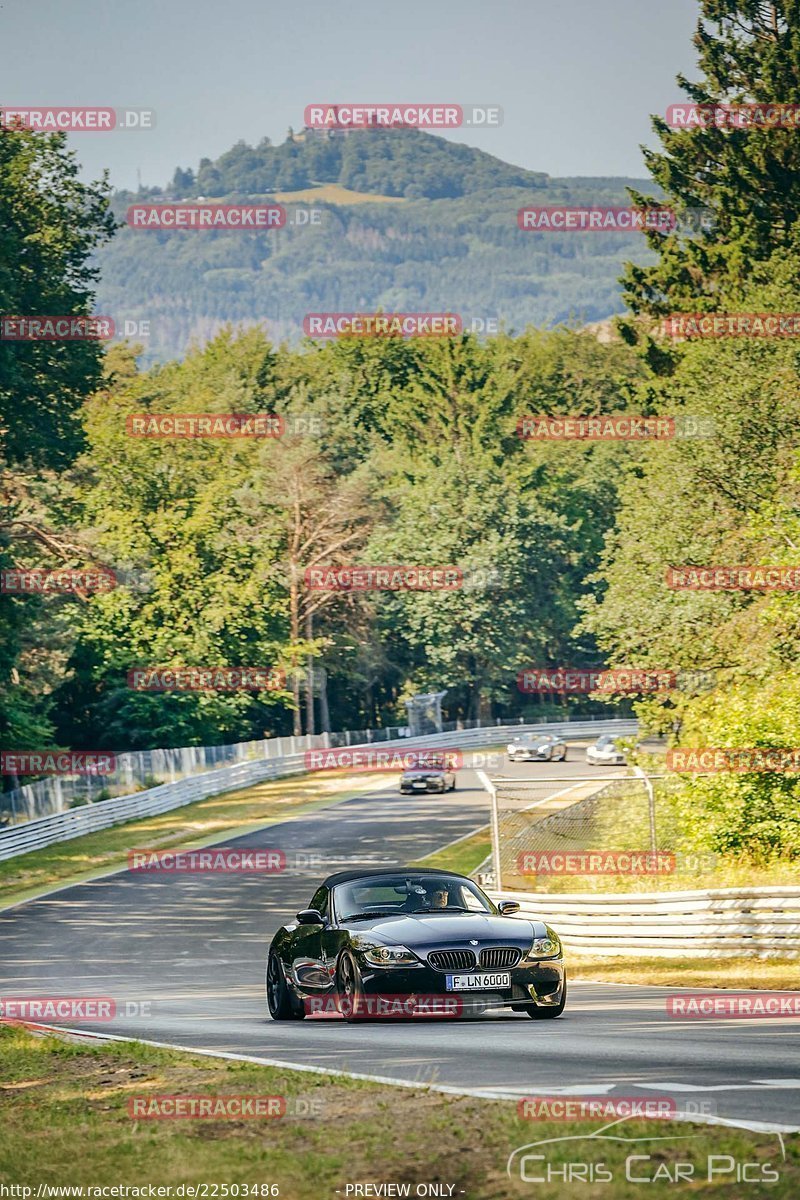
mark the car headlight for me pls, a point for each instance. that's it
(544, 947)
(389, 956)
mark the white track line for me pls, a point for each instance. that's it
(445, 1089)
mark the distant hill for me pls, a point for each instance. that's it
(408, 222)
(389, 162)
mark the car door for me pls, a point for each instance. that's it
(334, 939)
(308, 962)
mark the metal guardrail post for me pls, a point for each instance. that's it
(492, 790)
(651, 799)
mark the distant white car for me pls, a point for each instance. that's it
(537, 747)
(605, 752)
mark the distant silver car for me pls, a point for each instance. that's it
(537, 747)
(605, 752)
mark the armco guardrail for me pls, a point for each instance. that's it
(719, 923)
(61, 827)
(141, 769)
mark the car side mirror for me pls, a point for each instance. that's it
(310, 916)
(507, 907)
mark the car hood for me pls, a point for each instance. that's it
(427, 931)
(424, 773)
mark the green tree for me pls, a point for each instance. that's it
(747, 178)
(50, 225)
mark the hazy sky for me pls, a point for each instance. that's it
(576, 79)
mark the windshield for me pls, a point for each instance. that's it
(381, 895)
(429, 761)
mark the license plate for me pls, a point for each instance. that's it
(482, 981)
(423, 787)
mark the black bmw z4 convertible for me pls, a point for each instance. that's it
(412, 942)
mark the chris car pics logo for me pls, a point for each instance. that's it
(613, 1154)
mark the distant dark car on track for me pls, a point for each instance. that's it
(416, 933)
(537, 747)
(434, 773)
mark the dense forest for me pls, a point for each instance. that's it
(425, 224)
(413, 456)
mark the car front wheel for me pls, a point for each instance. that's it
(349, 989)
(279, 1001)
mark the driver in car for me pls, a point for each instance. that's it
(439, 897)
(421, 898)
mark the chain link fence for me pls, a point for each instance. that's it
(140, 770)
(599, 833)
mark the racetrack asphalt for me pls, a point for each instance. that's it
(183, 957)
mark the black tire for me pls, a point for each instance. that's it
(453, 786)
(547, 1012)
(279, 1001)
(349, 989)
(564, 755)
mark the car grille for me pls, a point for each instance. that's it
(451, 960)
(500, 956)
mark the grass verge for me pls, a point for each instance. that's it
(197, 824)
(781, 974)
(463, 856)
(64, 1109)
